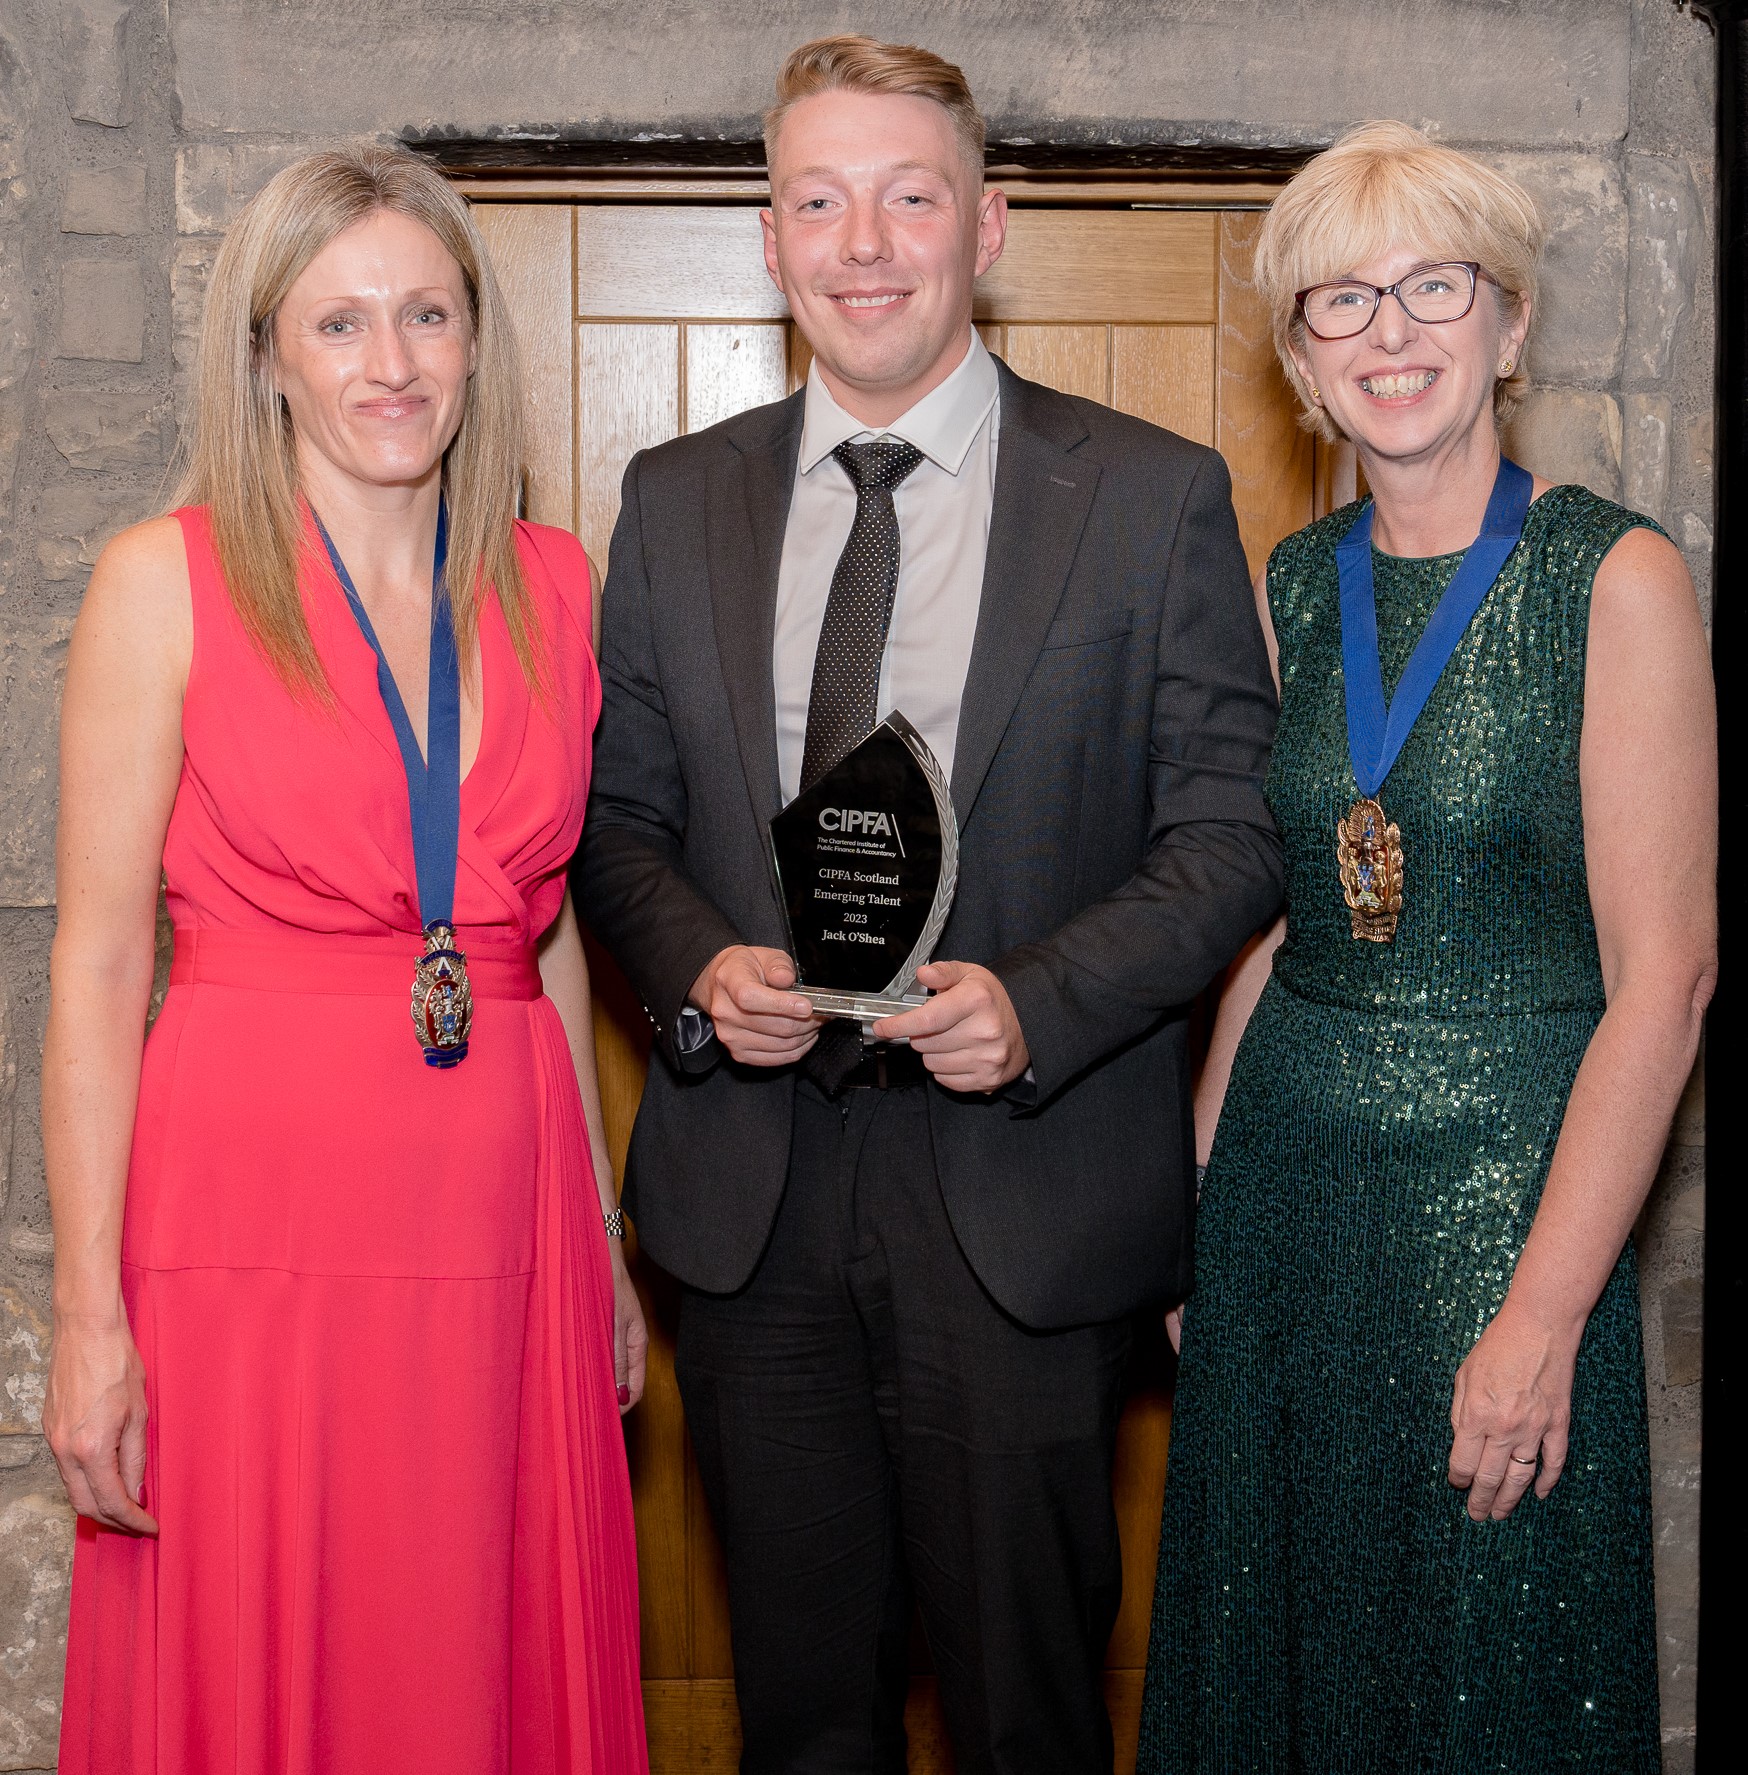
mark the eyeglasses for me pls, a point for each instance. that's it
(1429, 293)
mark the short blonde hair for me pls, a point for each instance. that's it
(864, 64)
(241, 463)
(1383, 186)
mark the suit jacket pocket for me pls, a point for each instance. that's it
(1088, 629)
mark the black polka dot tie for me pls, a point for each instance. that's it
(845, 696)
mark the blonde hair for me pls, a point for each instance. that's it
(241, 462)
(864, 64)
(1384, 186)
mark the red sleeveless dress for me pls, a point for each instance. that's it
(373, 1299)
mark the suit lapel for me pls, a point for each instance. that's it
(747, 497)
(1043, 493)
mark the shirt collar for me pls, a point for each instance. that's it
(942, 424)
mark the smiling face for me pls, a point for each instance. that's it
(1407, 389)
(372, 348)
(877, 230)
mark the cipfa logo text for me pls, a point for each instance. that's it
(855, 819)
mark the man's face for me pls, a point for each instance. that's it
(877, 229)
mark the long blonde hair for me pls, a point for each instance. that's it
(1382, 186)
(241, 462)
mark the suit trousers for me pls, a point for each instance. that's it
(870, 1427)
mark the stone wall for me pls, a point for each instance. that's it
(130, 133)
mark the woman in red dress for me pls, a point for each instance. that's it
(338, 1333)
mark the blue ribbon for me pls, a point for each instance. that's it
(433, 781)
(1373, 738)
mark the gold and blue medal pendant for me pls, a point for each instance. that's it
(442, 997)
(1368, 844)
(1368, 851)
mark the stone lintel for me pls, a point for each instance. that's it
(1553, 74)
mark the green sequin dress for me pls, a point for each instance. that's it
(1324, 1603)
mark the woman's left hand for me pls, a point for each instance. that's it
(630, 1334)
(1512, 1403)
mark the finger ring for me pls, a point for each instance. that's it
(1525, 1460)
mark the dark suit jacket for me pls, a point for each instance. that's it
(1115, 849)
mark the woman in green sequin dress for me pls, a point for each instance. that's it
(1407, 1522)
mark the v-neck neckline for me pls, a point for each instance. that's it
(360, 650)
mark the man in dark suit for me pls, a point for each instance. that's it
(909, 1276)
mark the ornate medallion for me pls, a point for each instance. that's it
(1369, 851)
(442, 998)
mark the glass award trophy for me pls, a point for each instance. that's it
(867, 861)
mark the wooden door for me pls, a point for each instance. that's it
(640, 321)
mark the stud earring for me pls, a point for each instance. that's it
(1505, 368)
(1316, 392)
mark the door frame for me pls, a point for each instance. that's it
(1050, 176)
(691, 1719)
(1110, 188)
(697, 171)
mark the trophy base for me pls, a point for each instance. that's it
(859, 1007)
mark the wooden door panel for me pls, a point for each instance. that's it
(673, 262)
(732, 367)
(532, 253)
(1107, 265)
(1139, 1488)
(641, 321)
(1166, 376)
(694, 1726)
(1076, 360)
(695, 261)
(691, 1725)
(662, 1477)
(628, 398)
(707, 1582)
(1257, 428)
